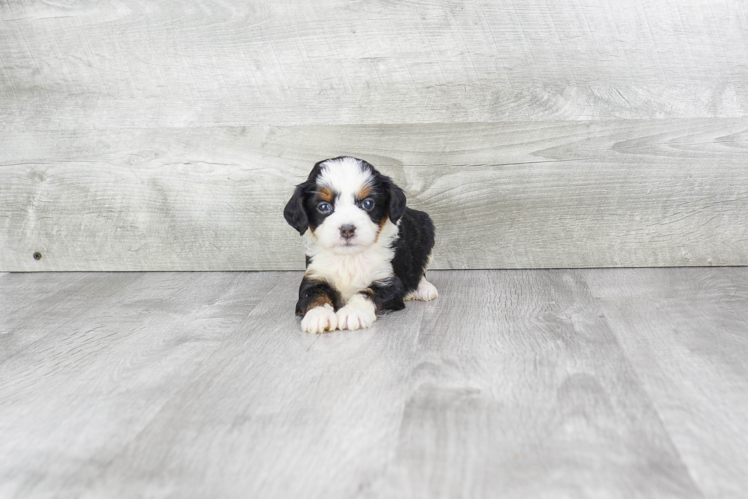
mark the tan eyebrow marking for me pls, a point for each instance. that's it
(364, 192)
(326, 194)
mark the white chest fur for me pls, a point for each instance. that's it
(350, 274)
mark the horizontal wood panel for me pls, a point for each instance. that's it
(215, 48)
(503, 195)
(167, 136)
(176, 63)
(442, 104)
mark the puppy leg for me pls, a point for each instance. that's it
(319, 319)
(359, 312)
(387, 295)
(362, 309)
(317, 303)
(425, 291)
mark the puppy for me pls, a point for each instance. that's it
(366, 252)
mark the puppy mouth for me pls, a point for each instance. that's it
(348, 246)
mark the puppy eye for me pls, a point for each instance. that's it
(367, 204)
(324, 208)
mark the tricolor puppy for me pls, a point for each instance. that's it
(366, 252)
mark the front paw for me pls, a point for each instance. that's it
(359, 313)
(319, 319)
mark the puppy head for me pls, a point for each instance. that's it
(345, 203)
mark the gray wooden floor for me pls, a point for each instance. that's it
(616, 382)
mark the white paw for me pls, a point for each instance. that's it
(425, 291)
(358, 313)
(319, 319)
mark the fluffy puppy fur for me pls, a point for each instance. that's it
(366, 252)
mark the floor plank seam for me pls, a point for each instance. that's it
(635, 373)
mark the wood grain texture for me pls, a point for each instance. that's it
(509, 195)
(83, 64)
(686, 334)
(612, 383)
(28, 311)
(100, 373)
(296, 415)
(519, 389)
(571, 133)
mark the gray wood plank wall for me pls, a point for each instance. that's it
(574, 133)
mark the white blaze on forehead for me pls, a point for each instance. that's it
(345, 176)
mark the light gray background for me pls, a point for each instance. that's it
(168, 135)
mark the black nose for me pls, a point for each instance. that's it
(347, 230)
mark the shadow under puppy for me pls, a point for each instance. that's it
(366, 252)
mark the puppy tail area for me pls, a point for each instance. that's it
(425, 292)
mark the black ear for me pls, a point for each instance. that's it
(294, 212)
(397, 201)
